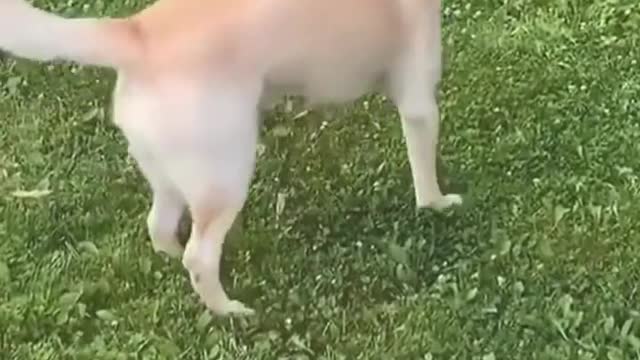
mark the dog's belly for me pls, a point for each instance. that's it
(328, 51)
(323, 87)
(338, 89)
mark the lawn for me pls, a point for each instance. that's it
(541, 131)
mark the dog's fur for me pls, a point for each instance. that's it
(193, 75)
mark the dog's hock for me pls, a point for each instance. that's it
(163, 234)
(198, 260)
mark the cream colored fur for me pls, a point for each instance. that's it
(192, 74)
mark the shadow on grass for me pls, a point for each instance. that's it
(344, 262)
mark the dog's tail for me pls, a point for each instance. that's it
(28, 32)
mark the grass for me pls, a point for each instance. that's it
(541, 128)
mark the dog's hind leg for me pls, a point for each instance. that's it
(214, 172)
(166, 209)
(214, 206)
(413, 84)
(163, 220)
(212, 220)
(131, 105)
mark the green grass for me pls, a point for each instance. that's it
(541, 127)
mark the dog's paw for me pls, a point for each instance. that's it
(443, 202)
(231, 308)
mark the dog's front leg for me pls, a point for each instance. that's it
(421, 134)
(414, 81)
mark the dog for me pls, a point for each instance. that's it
(193, 76)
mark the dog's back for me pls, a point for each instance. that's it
(329, 50)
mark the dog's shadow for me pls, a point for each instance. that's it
(377, 253)
(291, 284)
